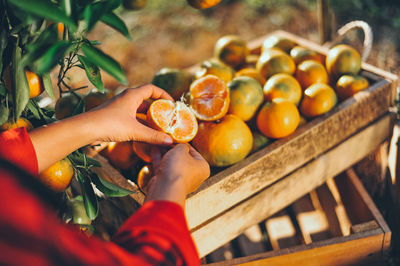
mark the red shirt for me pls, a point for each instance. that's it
(31, 233)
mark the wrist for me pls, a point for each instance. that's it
(167, 188)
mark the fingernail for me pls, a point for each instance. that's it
(168, 141)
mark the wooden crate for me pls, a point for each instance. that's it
(239, 196)
(336, 224)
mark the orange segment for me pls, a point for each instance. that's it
(175, 119)
(209, 98)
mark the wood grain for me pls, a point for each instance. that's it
(231, 223)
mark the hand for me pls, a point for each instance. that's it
(117, 118)
(178, 172)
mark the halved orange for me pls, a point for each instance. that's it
(209, 98)
(173, 118)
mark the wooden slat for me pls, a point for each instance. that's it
(312, 221)
(364, 227)
(357, 249)
(281, 231)
(331, 203)
(221, 254)
(251, 241)
(231, 223)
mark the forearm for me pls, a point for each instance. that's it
(55, 141)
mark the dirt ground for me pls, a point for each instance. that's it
(172, 34)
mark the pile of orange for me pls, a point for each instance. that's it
(239, 101)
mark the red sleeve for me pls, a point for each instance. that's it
(31, 234)
(16, 147)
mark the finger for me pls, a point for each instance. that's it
(152, 136)
(155, 154)
(194, 153)
(150, 91)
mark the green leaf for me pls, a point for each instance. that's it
(34, 109)
(94, 12)
(51, 57)
(19, 83)
(3, 39)
(39, 47)
(79, 159)
(112, 20)
(109, 189)
(97, 57)
(4, 112)
(3, 90)
(89, 198)
(92, 72)
(45, 9)
(48, 85)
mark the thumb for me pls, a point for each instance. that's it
(149, 135)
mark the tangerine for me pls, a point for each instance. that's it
(174, 118)
(246, 96)
(67, 104)
(96, 98)
(283, 86)
(120, 154)
(58, 176)
(318, 99)
(348, 85)
(134, 4)
(343, 59)
(300, 54)
(211, 67)
(144, 176)
(35, 84)
(280, 42)
(273, 61)
(310, 72)
(231, 50)
(224, 143)
(202, 4)
(209, 98)
(21, 122)
(252, 73)
(142, 150)
(278, 118)
(259, 141)
(174, 81)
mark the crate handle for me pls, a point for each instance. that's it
(368, 36)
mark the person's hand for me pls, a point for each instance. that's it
(117, 118)
(178, 172)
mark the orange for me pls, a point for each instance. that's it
(60, 30)
(300, 54)
(134, 4)
(231, 50)
(66, 105)
(174, 81)
(280, 42)
(209, 98)
(343, 59)
(21, 122)
(251, 60)
(58, 176)
(79, 215)
(259, 141)
(142, 150)
(283, 86)
(273, 61)
(174, 118)
(144, 176)
(35, 84)
(202, 4)
(303, 121)
(96, 98)
(120, 154)
(310, 72)
(212, 67)
(348, 85)
(224, 143)
(318, 99)
(252, 73)
(278, 118)
(246, 96)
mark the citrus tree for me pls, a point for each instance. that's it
(38, 36)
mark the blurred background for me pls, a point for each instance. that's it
(173, 34)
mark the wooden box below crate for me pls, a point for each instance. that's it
(336, 224)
